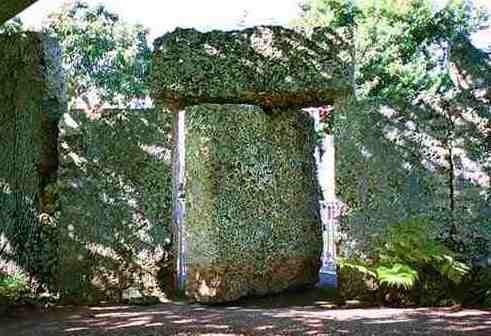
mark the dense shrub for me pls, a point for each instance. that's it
(475, 290)
(410, 265)
(12, 289)
(356, 281)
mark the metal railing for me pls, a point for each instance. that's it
(330, 213)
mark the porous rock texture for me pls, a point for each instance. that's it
(252, 204)
(32, 99)
(268, 66)
(114, 186)
(252, 224)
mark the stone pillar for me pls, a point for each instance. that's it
(252, 220)
(252, 214)
(32, 99)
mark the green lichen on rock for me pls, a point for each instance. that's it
(268, 66)
(251, 224)
(32, 99)
(252, 205)
(115, 202)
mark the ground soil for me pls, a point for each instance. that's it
(292, 314)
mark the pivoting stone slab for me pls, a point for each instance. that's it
(268, 66)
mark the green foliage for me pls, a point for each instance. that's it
(410, 249)
(410, 259)
(11, 27)
(414, 139)
(398, 275)
(356, 265)
(12, 288)
(103, 56)
(414, 242)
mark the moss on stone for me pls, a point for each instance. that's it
(251, 201)
(268, 66)
(115, 204)
(32, 98)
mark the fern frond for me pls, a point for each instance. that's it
(398, 275)
(354, 265)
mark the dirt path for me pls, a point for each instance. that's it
(268, 316)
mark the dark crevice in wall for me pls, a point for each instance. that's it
(48, 164)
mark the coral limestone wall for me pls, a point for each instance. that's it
(32, 99)
(115, 205)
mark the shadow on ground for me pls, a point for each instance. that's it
(293, 314)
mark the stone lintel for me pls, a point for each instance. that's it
(268, 66)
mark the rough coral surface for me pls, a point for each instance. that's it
(268, 66)
(252, 212)
(32, 99)
(115, 204)
(251, 224)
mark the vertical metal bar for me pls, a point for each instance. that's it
(329, 211)
(328, 168)
(179, 206)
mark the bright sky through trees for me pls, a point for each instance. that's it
(164, 15)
